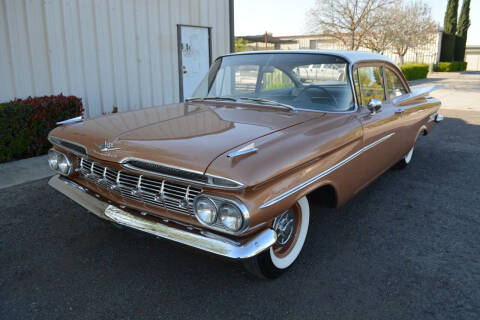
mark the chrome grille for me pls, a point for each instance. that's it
(155, 192)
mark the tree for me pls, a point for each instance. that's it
(240, 44)
(464, 20)
(412, 26)
(450, 23)
(346, 20)
(462, 30)
(381, 36)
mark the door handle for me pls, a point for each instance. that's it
(399, 111)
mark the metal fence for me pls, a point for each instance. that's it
(427, 53)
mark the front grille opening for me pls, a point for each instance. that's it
(167, 171)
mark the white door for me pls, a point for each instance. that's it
(194, 57)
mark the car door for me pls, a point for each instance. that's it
(414, 112)
(381, 129)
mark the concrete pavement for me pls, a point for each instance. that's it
(25, 170)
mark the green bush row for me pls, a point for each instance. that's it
(25, 124)
(414, 71)
(451, 66)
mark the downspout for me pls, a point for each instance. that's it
(231, 15)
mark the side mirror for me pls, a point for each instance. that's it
(374, 105)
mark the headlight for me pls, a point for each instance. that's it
(205, 210)
(59, 162)
(53, 159)
(231, 217)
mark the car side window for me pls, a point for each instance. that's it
(369, 83)
(395, 86)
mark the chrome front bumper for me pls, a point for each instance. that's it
(205, 241)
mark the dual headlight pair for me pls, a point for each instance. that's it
(59, 162)
(216, 212)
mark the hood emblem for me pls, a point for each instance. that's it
(107, 146)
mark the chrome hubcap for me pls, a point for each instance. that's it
(284, 226)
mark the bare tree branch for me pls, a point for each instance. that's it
(413, 26)
(349, 21)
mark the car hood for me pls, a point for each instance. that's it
(186, 135)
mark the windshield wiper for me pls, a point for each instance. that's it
(210, 98)
(270, 102)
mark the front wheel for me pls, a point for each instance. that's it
(291, 227)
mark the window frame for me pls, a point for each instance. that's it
(382, 64)
(368, 65)
(385, 81)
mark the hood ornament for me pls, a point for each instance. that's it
(107, 146)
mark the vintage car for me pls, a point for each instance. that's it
(230, 170)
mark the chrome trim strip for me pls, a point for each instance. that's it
(323, 173)
(195, 182)
(245, 150)
(71, 120)
(204, 241)
(122, 161)
(52, 141)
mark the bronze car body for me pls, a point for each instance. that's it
(289, 154)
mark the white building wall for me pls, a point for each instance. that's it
(109, 52)
(472, 57)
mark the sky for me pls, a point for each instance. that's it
(288, 17)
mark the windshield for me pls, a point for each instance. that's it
(307, 81)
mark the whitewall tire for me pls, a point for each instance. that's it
(292, 228)
(406, 159)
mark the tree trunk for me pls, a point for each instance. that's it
(401, 56)
(353, 40)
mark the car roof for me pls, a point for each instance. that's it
(350, 56)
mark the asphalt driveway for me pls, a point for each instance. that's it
(407, 247)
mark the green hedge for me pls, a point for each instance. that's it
(414, 71)
(451, 66)
(25, 124)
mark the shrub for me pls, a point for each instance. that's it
(414, 71)
(451, 66)
(25, 124)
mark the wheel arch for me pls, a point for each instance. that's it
(324, 194)
(422, 131)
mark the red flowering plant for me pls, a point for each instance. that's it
(25, 124)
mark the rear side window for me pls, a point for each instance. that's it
(395, 86)
(369, 83)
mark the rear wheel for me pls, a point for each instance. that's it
(291, 227)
